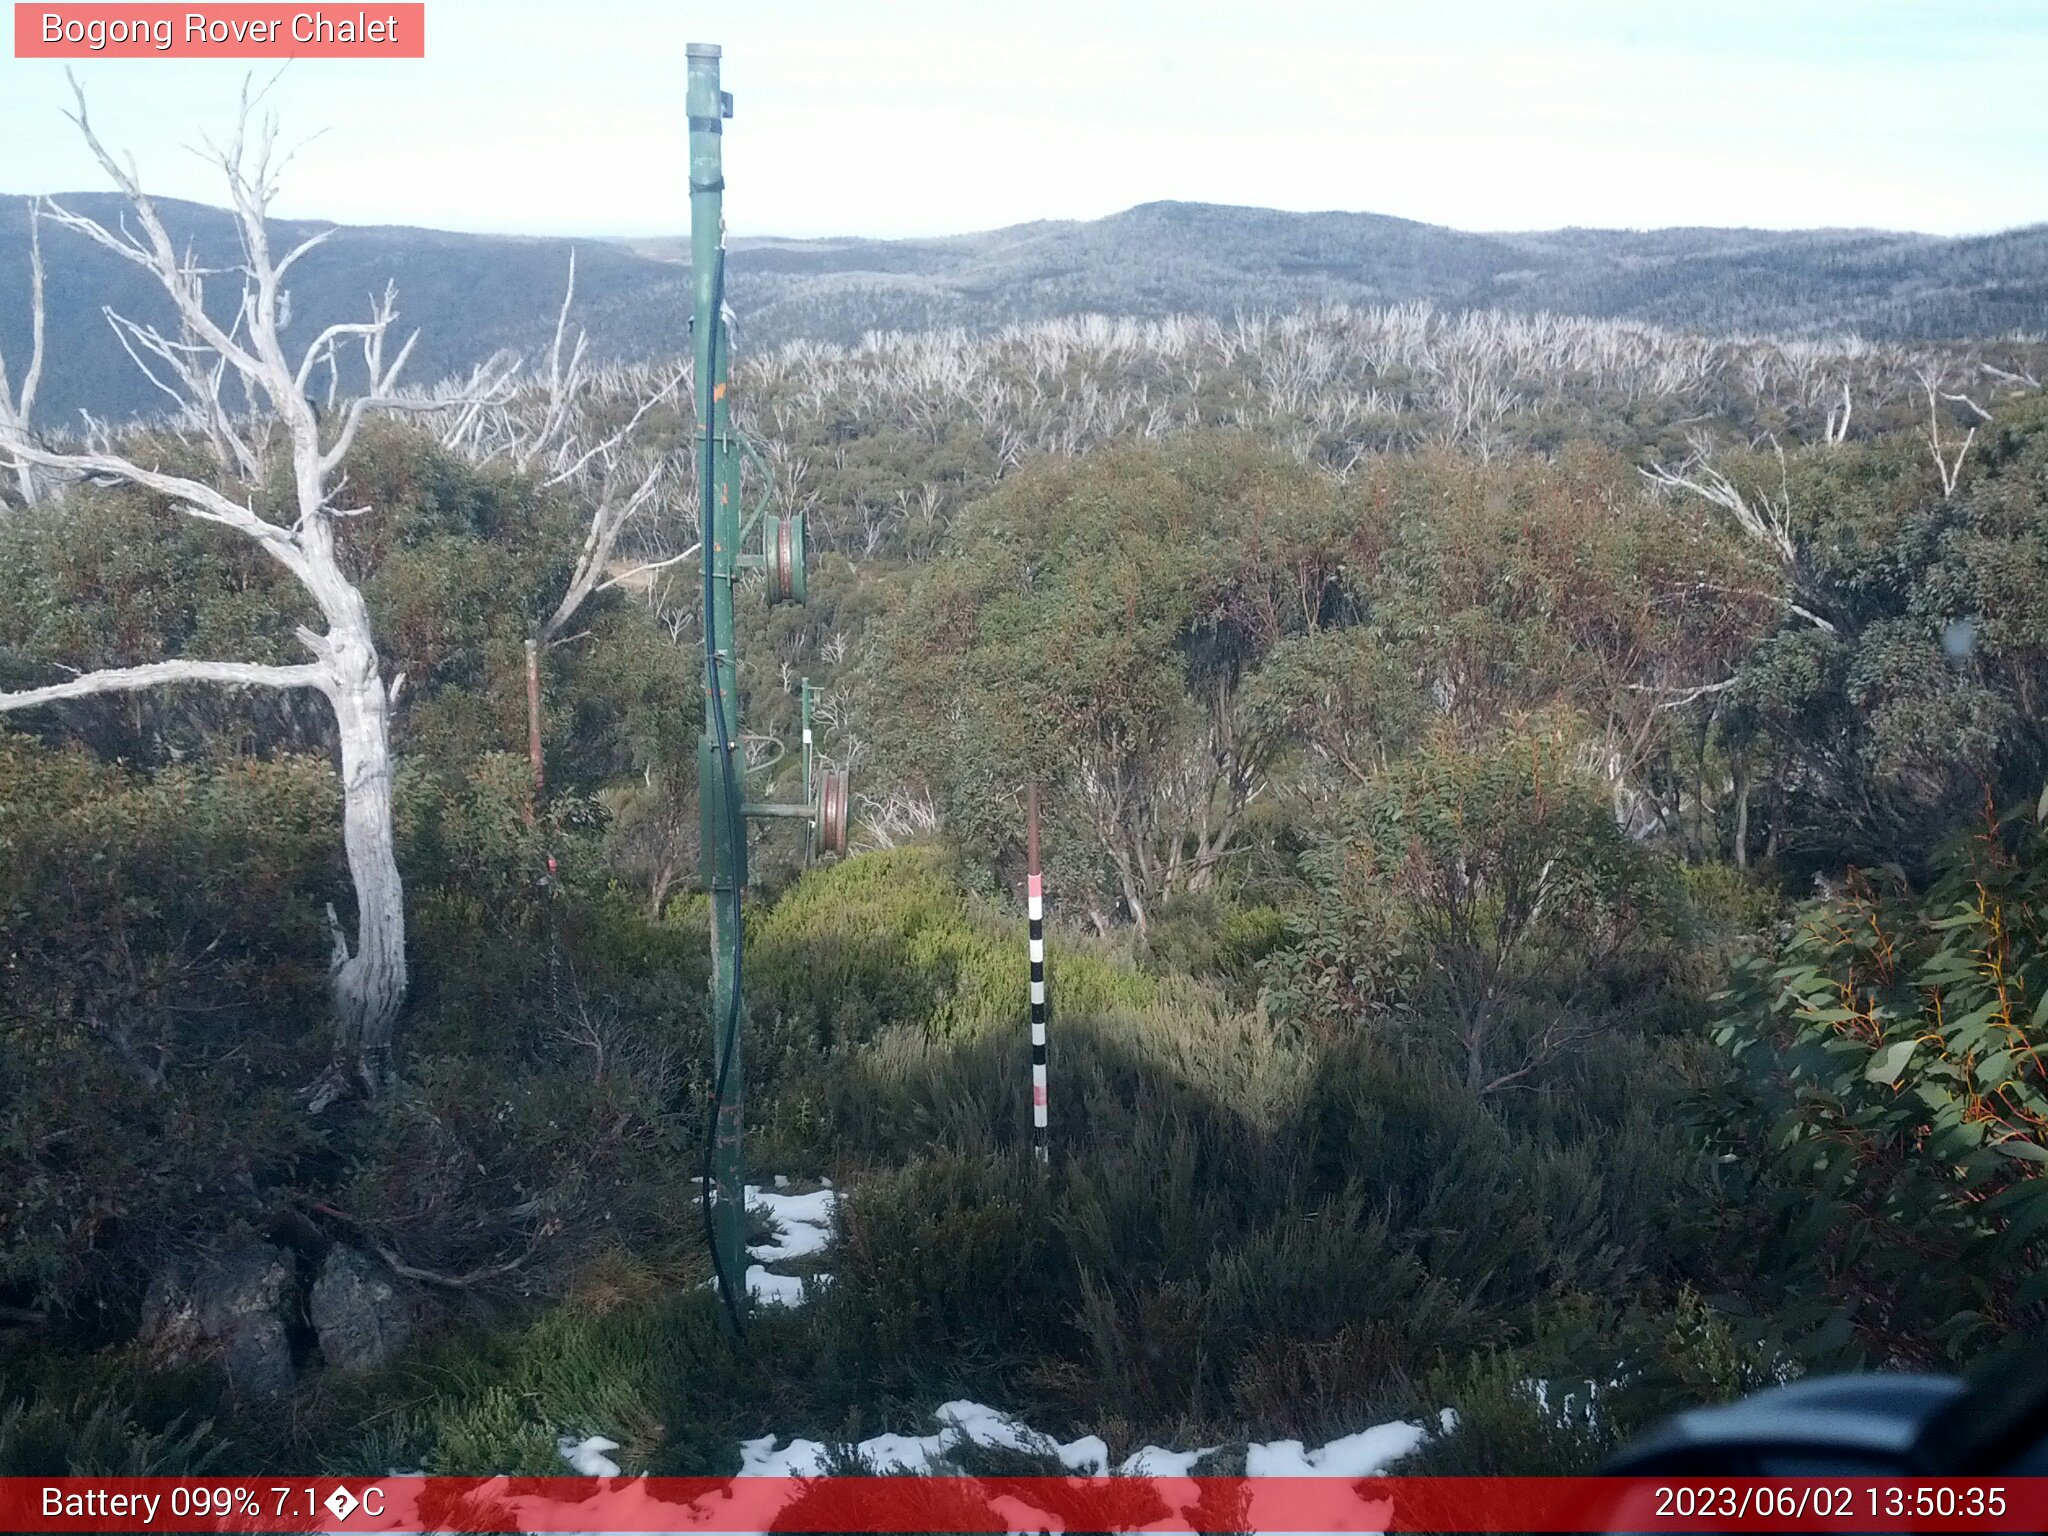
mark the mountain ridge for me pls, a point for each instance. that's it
(471, 295)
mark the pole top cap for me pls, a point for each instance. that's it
(701, 50)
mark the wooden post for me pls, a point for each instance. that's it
(1034, 898)
(533, 729)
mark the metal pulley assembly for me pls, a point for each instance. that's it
(785, 560)
(833, 794)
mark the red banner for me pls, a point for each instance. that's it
(1022, 1504)
(378, 30)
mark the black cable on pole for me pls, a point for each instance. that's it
(729, 1033)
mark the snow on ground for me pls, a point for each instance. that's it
(588, 1457)
(773, 1290)
(960, 1423)
(1365, 1454)
(799, 1458)
(804, 1224)
(1156, 1461)
(805, 1220)
(985, 1426)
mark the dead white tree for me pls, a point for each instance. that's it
(547, 427)
(1764, 518)
(620, 496)
(247, 351)
(903, 815)
(617, 482)
(561, 388)
(1837, 429)
(1949, 469)
(2020, 380)
(15, 405)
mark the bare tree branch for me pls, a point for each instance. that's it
(194, 497)
(156, 674)
(1676, 698)
(1766, 519)
(612, 514)
(16, 408)
(649, 568)
(611, 444)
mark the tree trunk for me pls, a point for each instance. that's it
(25, 478)
(1742, 815)
(1699, 792)
(1127, 881)
(664, 878)
(369, 985)
(1475, 1058)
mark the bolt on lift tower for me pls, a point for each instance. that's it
(728, 531)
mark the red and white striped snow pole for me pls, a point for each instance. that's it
(1034, 900)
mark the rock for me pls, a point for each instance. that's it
(232, 1311)
(358, 1311)
(170, 1318)
(242, 1301)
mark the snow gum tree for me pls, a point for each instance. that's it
(248, 410)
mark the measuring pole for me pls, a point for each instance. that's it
(805, 692)
(1034, 908)
(723, 836)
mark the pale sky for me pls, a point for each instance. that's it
(896, 117)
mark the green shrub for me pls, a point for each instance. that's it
(164, 993)
(97, 1431)
(1212, 939)
(1885, 1129)
(948, 1267)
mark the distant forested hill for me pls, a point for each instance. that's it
(468, 295)
(472, 294)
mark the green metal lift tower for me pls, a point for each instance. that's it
(734, 541)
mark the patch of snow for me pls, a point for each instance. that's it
(1580, 1404)
(587, 1456)
(774, 1290)
(1088, 1455)
(962, 1422)
(1365, 1454)
(1021, 1517)
(1156, 1461)
(805, 1221)
(806, 1227)
(907, 1453)
(813, 1209)
(982, 1425)
(800, 1458)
